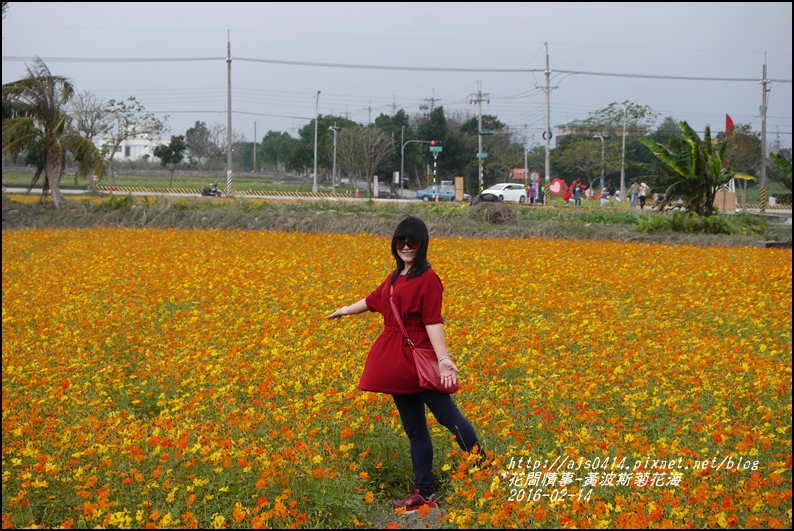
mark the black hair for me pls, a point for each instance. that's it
(411, 228)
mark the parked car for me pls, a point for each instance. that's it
(485, 197)
(509, 192)
(446, 192)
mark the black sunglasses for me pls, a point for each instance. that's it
(411, 244)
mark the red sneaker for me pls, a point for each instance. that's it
(414, 501)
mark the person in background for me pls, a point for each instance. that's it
(417, 294)
(642, 194)
(611, 192)
(577, 192)
(634, 193)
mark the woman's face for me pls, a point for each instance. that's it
(406, 249)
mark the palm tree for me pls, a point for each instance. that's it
(35, 116)
(690, 168)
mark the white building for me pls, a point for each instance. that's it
(133, 148)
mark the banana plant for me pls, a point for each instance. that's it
(688, 168)
(784, 166)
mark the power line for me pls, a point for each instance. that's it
(19, 58)
(384, 67)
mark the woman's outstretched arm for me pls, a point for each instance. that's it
(358, 307)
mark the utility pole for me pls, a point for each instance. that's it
(316, 119)
(432, 100)
(402, 176)
(623, 157)
(764, 92)
(229, 166)
(254, 147)
(547, 132)
(478, 99)
(335, 129)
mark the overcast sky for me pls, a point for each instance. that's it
(371, 58)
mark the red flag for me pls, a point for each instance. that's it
(728, 126)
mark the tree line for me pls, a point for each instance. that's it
(47, 123)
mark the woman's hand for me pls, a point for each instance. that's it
(353, 309)
(447, 370)
(338, 313)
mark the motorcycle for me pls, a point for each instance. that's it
(211, 191)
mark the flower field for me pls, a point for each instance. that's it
(171, 379)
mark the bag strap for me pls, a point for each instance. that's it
(397, 315)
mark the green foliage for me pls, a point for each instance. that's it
(369, 217)
(688, 223)
(171, 154)
(275, 150)
(198, 142)
(784, 167)
(598, 216)
(35, 117)
(743, 149)
(121, 202)
(130, 119)
(617, 217)
(689, 168)
(33, 153)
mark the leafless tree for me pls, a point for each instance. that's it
(219, 140)
(363, 149)
(88, 118)
(129, 119)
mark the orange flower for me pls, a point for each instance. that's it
(239, 514)
(641, 357)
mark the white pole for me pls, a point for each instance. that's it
(316, 119)
(229, 163)
(402, 158)
(623, 158)
(547, 133)
(333, 172)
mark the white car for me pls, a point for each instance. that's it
(508, 192)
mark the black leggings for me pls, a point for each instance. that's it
(642, 201)
(412, 415)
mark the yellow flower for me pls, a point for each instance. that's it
(218, 521)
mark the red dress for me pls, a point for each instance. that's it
(390, 366)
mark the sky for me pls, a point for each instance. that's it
(693, 61)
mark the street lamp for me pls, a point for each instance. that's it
(334, 128)
(316, 119)
(602, 158)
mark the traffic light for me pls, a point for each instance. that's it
(435, 142)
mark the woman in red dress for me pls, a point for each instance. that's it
(390, 367)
